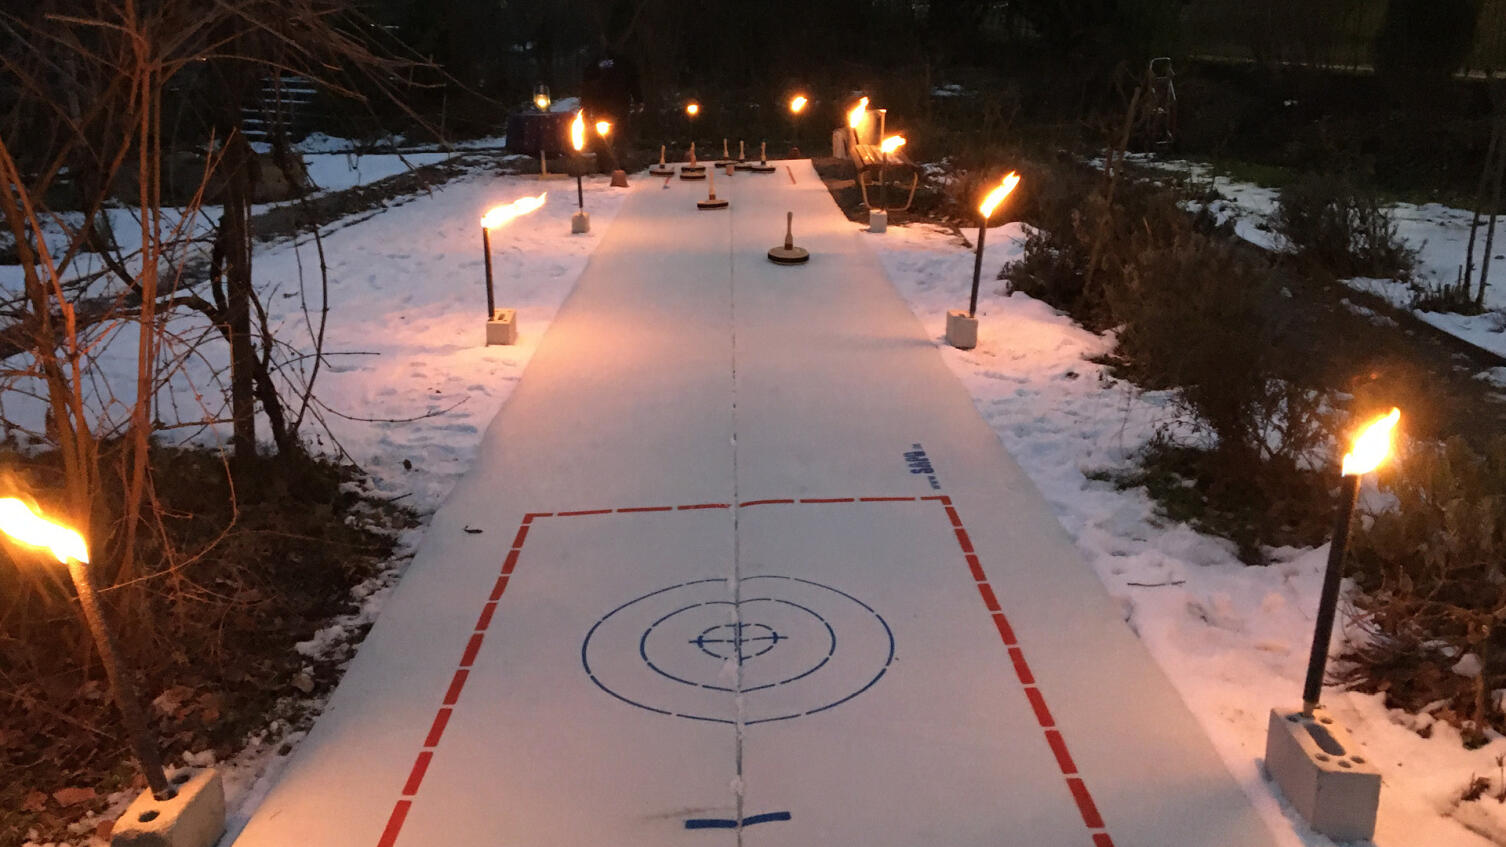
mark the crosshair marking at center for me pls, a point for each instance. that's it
(760, 640)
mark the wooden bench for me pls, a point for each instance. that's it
(869, 159)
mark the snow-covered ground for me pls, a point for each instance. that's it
(1233, 638)
(408, 385)
(1437, 232)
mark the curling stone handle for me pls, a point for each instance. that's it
(789, 230)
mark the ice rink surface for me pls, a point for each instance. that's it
(752, 570)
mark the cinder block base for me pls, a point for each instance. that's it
(961, 330)
(502, 328)
(580, 222)
(878, 221)
(194, 818)
(619, 178)
(1322, 774)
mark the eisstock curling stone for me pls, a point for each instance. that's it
(787, 253)
(711, 201)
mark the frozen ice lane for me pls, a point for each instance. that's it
(753, 571)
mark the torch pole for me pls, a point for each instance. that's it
(883, 163)
(972, 305)
(486, 247)
(1328, 601)
(580, 193)
(125, 693)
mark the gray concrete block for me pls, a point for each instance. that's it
(961, 330)
(1322, 773)
(878, 221)
(580, 222)
(193, 818)
(502, 328)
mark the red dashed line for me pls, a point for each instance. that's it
(1021, 668)
(1059, 747)
(962, 539)
(989, 599)
(1085, 804)
(456, 683)
(471, 649)
(497, 590)
(436, 731)
(1038, 703)
(1054, 738)
(487, 611)
(416, 776)
(394, 823)
(1006, 632)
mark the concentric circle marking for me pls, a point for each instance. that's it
(681, 650)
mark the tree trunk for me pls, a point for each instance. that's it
(235, 239)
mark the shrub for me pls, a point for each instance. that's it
(1432, 575)
(1087, 244)
(1207, 316)
(1330, 222)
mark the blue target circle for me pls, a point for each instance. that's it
(789, 646)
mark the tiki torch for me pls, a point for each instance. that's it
(494, 218)
(1369, 450)
(887, 148)
(986, 209)
(579, 222)
(619, 176)
(26, 527)
(855, 118)
(797, 108)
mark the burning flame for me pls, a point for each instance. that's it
(500, 215)
(692, 108)
(603, 127)
(31, 529)
(578, 131)
(1372, 445)
(855, 117)
(797, 103)
(997, 196)
(892, 143)
(541, 100)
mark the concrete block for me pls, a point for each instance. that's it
(580, 222)
(502, 328)
(961, 330)
(193, 818)
(1322, 773)
(878, 221)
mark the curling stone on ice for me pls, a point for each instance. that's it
(661, 169)
(763, 166)
(726, 158)
(711, 201)
(742, 159)
(787, 253)
(692, 170)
